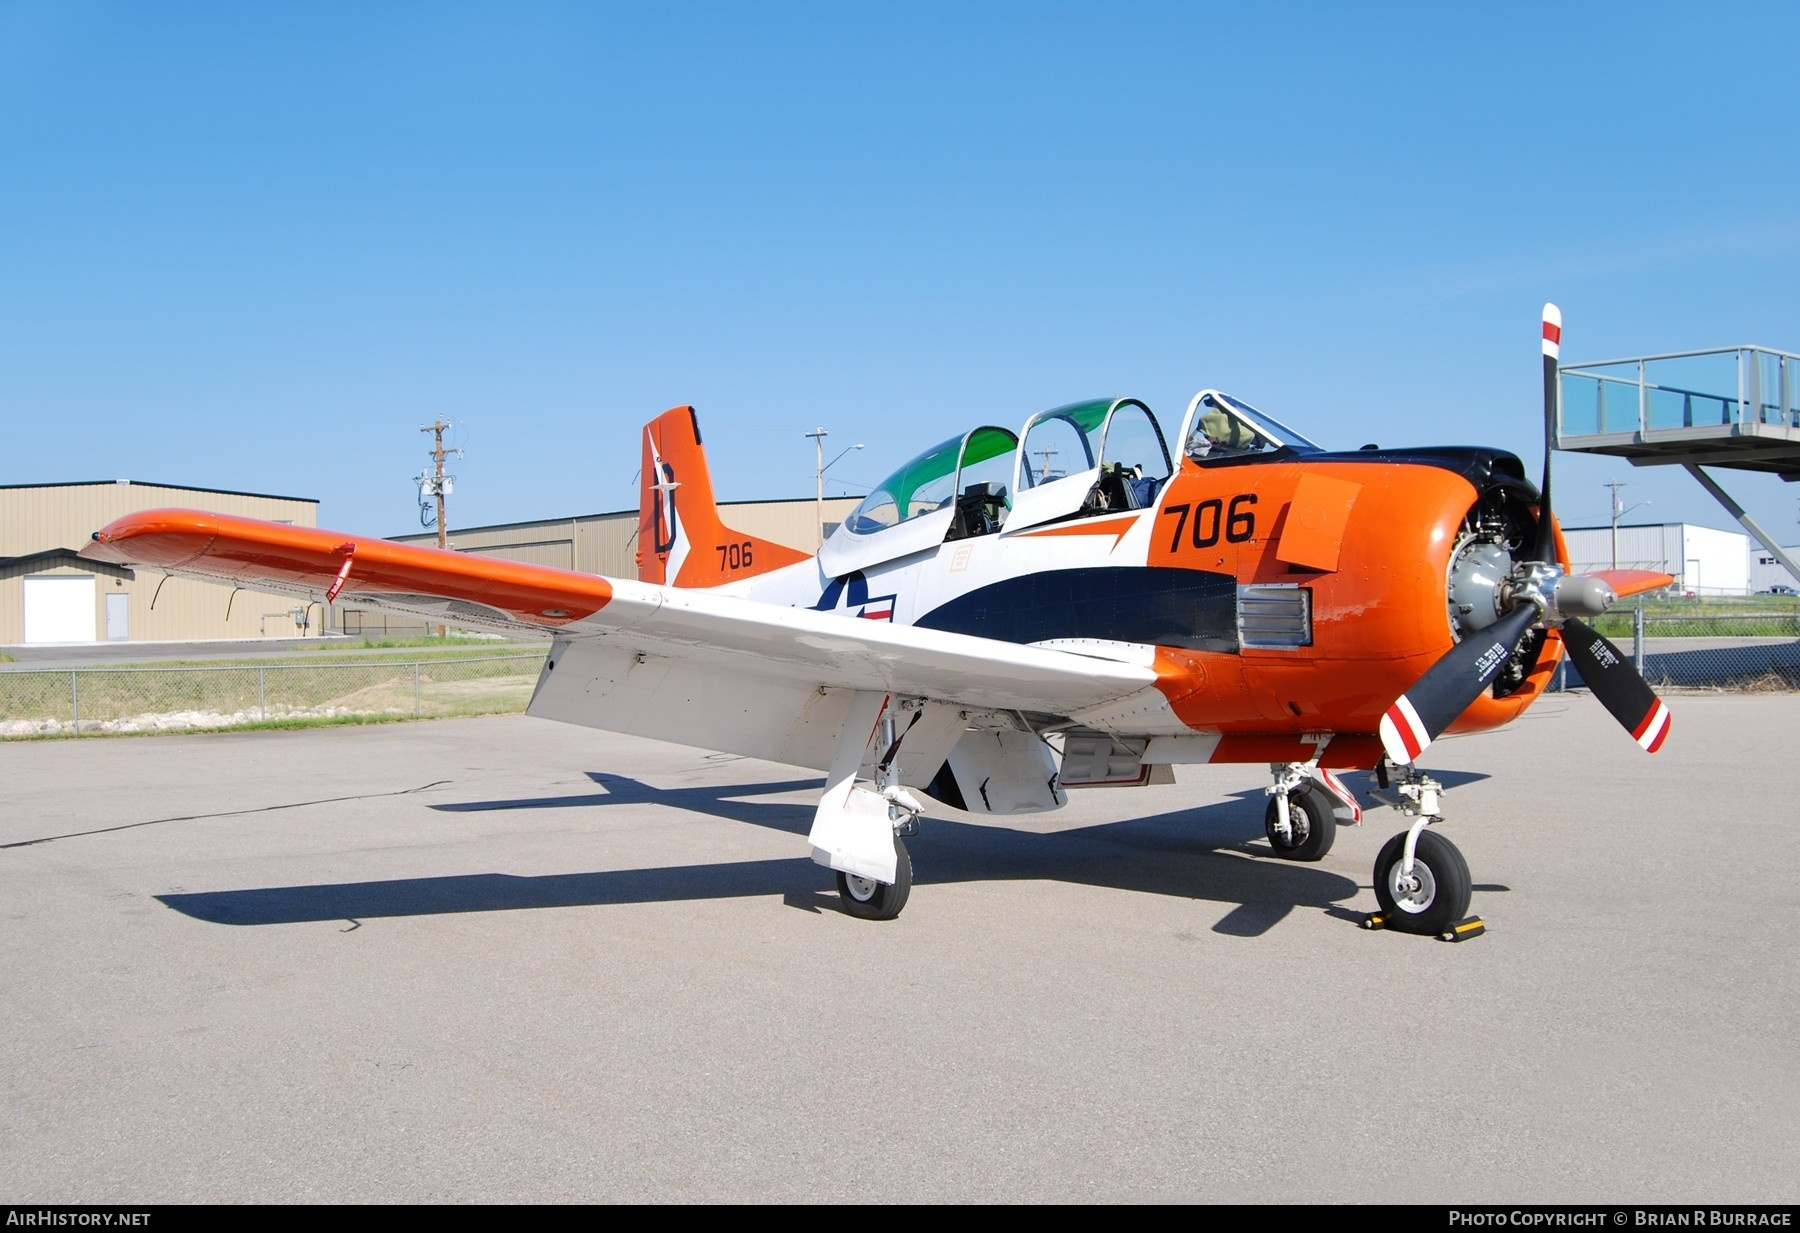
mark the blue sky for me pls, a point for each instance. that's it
(256, 246)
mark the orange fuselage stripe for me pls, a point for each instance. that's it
(1115, 527)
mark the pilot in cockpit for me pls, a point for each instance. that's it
(1219, 434)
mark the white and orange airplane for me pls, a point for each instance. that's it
(990, 633)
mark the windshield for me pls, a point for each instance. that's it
(928, 483)
(919, 487)
(1224, 427)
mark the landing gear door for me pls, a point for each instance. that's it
(1000, 772)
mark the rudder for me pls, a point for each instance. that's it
(681, 539)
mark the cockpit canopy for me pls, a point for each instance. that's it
(1219, 426)
(931, 481)
(1077, 438)
(1083, 459)
(1092, 457)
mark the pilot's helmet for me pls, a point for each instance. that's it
(1222, 429)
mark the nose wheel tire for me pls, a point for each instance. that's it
(872, 900)
(1311, 826)
(1433, 896)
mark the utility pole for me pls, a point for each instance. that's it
(438, 483)
(1615, 486)
(1619, 510)
(436, 429)
(820, 466)
(818, 436)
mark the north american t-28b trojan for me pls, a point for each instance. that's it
(990, 632)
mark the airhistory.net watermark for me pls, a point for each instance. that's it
(63, 1218)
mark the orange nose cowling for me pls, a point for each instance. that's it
(1379, 612)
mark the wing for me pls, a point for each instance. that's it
(1632, 581)
(690, 666)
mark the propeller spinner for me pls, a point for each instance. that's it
(1533, 592)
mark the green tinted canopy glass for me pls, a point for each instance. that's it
(916, 488)
(926, 482)
(1063, 441)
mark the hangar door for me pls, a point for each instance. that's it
(59, 608)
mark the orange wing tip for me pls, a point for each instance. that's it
(246, 551)
(1633, 581)
(164, 538)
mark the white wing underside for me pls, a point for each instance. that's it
(730, 674)
(697, 667)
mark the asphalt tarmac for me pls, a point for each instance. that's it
(501, 960)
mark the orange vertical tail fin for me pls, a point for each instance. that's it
(681, 540)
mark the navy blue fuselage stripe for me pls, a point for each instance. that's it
(856, 584)
(1156, 604)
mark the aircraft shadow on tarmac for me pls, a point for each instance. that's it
(1215, 852)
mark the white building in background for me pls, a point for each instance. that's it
(1766, 571)
(1701, 560)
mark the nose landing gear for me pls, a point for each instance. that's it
(1421, 880)
(1427, 894)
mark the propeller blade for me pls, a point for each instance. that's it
(1422, 713)
(1545, 547)
(1617, 684)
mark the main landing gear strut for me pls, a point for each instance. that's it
(1305, 807)
(872, 900)
(855, 824)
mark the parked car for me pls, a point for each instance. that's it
(1781, 588)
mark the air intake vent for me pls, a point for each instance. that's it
(1274, 615)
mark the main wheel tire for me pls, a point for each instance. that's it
(1437, 894)
(1312, 825)
(872, 900)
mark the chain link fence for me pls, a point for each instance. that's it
(190, 697)
(1739, 652)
